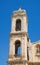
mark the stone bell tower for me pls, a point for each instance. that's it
(18, 39)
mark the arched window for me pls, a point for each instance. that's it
(17, 48)
(38, 49)
(18, 25)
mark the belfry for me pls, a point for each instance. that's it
(21, 52)
(18, 38)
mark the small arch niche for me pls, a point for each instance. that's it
(18, 24)
(38, 48)
(17, 48)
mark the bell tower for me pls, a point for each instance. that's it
(18, 39)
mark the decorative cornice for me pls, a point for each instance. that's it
(17, 62)
(18, 33)
(19, 15)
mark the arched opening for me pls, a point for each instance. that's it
(38, 49)
(17, 48)
(18, 25)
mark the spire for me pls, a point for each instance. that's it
(20, 3)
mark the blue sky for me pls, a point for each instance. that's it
(32, 8)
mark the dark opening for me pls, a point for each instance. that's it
(27, 39)
(27, 53)
(17, 48)
(18, 25)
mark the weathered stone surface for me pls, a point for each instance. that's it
(28, 54)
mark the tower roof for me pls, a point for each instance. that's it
(20, 12)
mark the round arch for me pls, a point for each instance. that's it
(17, 48)
(18, 25)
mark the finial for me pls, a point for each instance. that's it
(20, 9)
